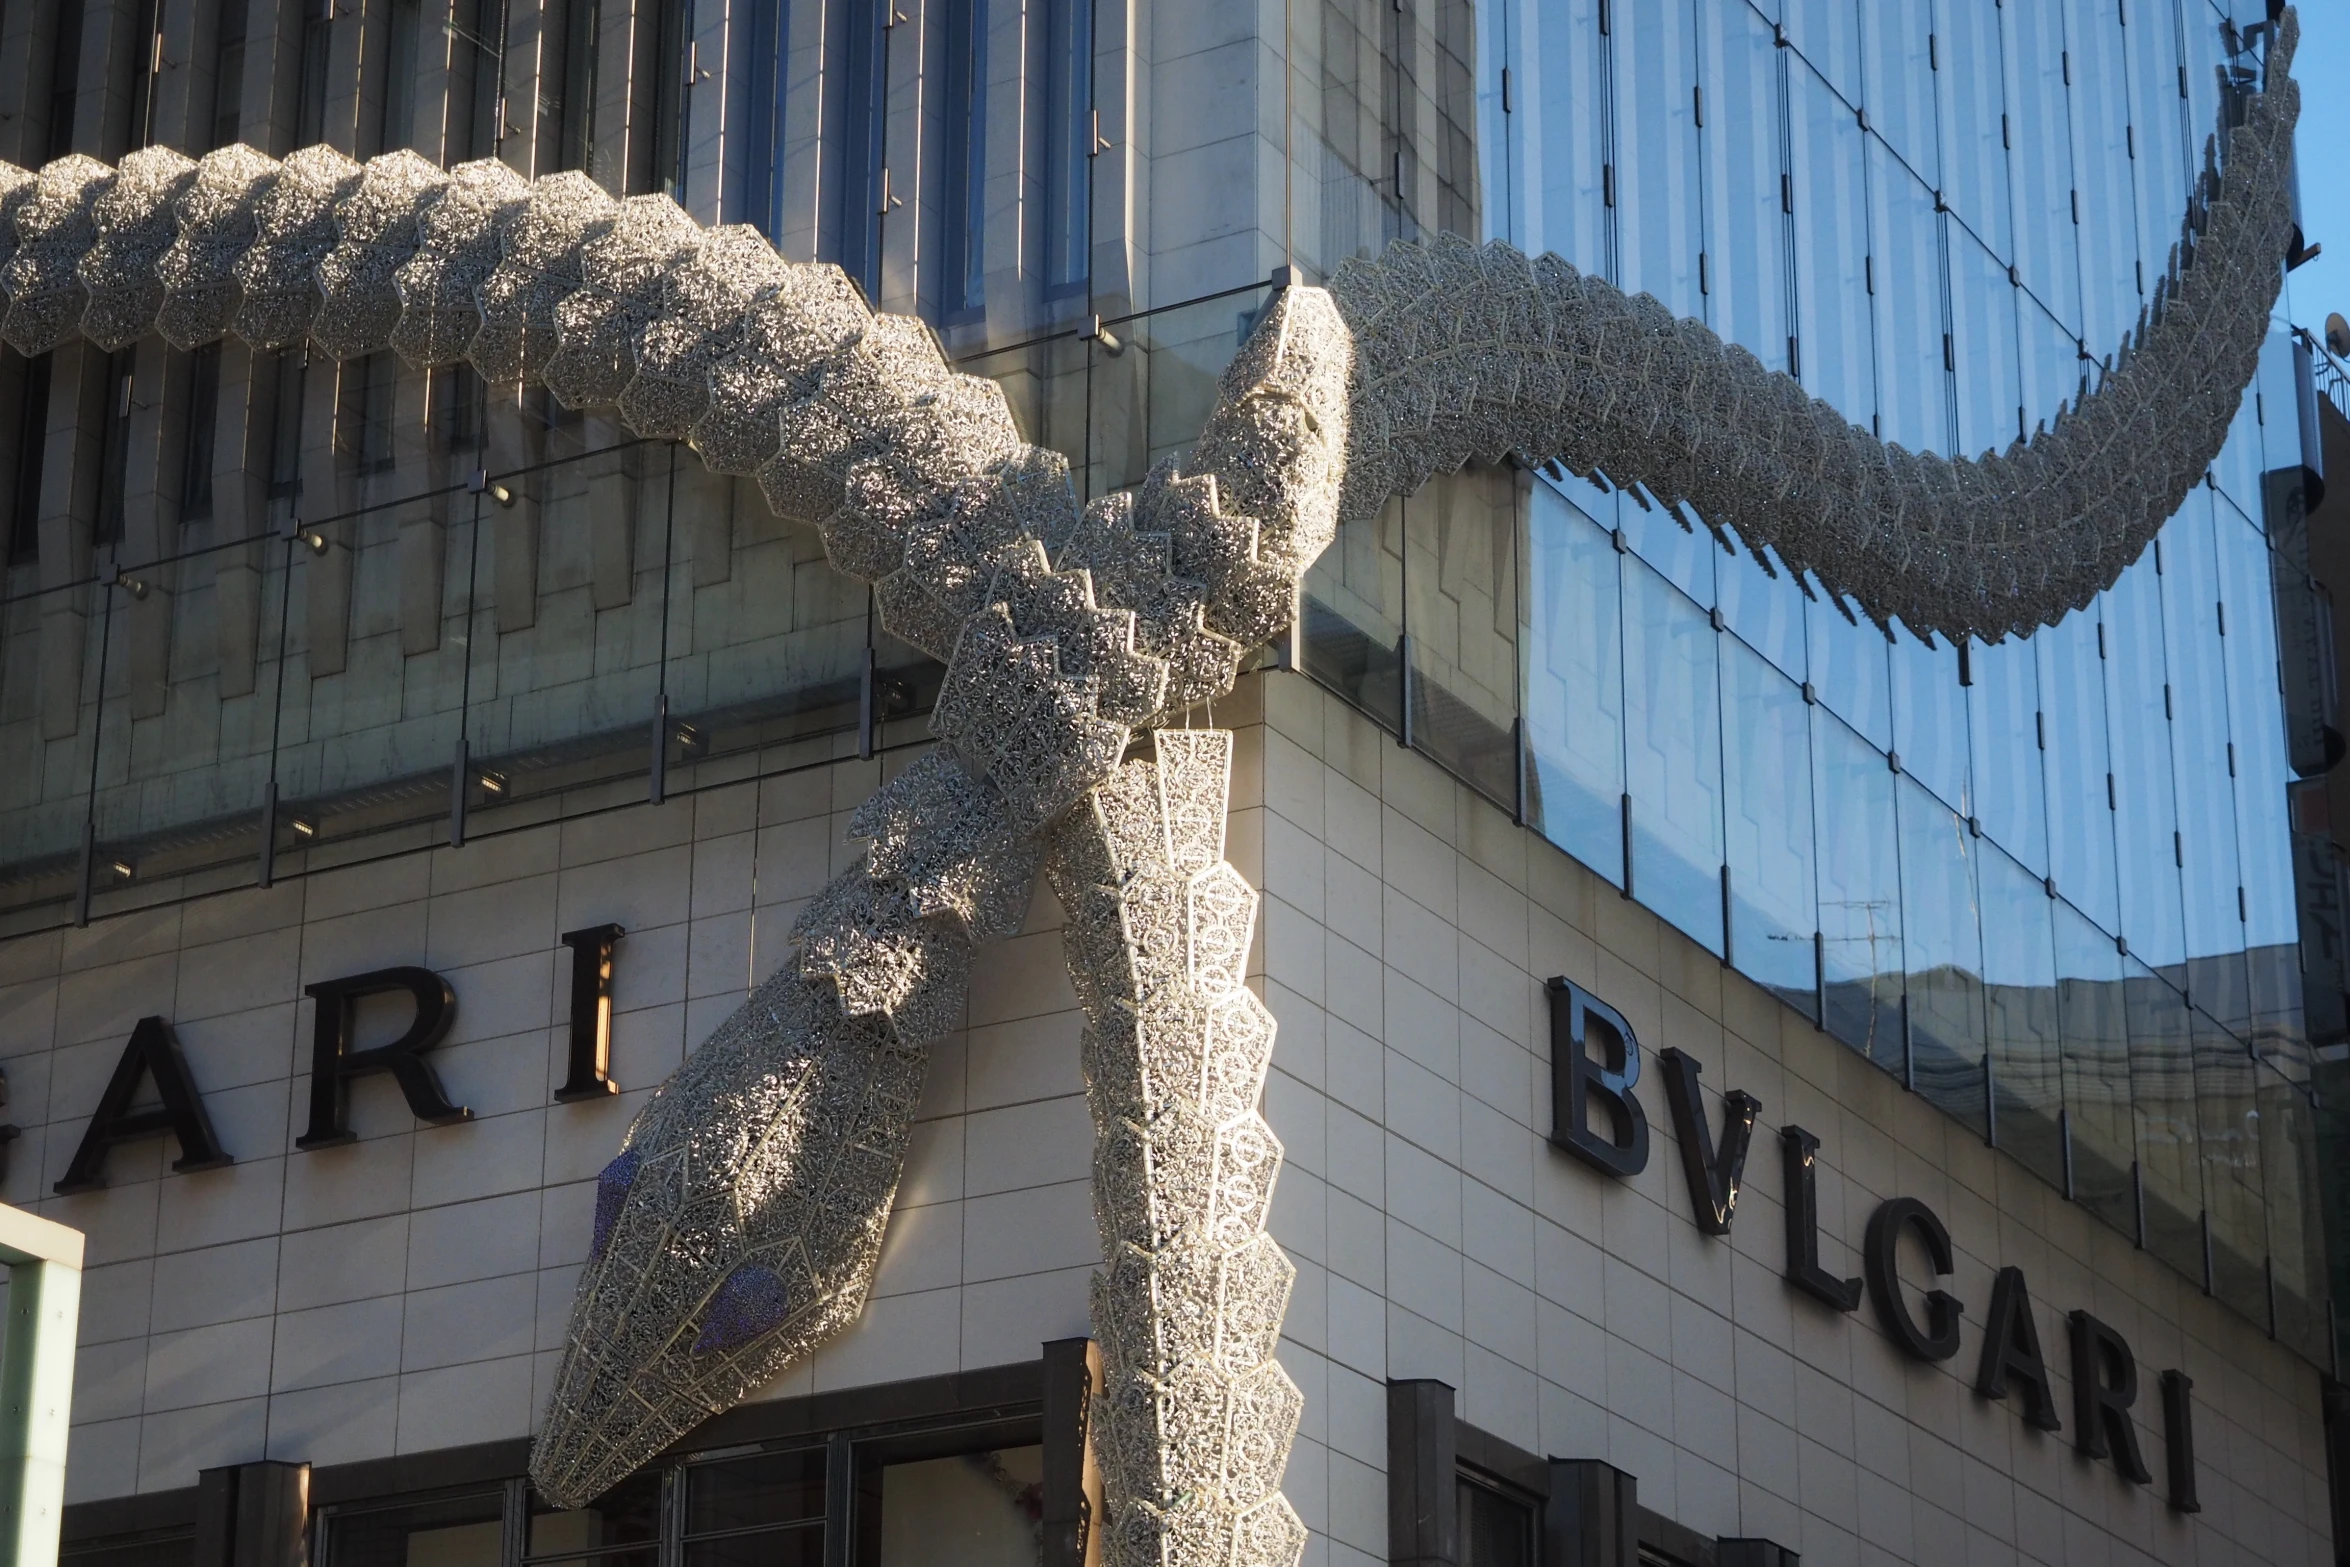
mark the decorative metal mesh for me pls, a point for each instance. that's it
(741, 1223)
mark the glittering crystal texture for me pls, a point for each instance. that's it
(740, 1225)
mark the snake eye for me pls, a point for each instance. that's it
(749, 1303)
(611, 1196)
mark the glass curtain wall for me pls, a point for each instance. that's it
(2045, 881)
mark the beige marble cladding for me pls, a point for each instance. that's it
(1408, 926)
(406, 1292)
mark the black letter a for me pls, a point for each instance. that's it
(152, 1052)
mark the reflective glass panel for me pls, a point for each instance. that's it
(2162, 1084)
(1673, 754)
(2215, 975)
(2004, 729)
(2078, 769)
(2137, 708)
(463, 1531)
(1898, 67)
(1766, 744)
(1563, 133)
(1860, 891)
(1496, 1530)
(2020, 1010)
(1745, 223)
(2093, 1025)
(970, 1510)
(1574, 653)
(1971, 96)
(1930, 717)
(1828, 158)
(2113, 288)
(2040, 149)
(1990, 399)
(1658, 213)
(2228, 1123)
(1462, 586)
(1943, 946)
(1827, 34)
(1905, 278)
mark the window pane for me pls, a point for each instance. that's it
(628, 1514)
(2199, 754)
(2051, 363)
(2080, 819)
(1827, 34)
(1898, 63)
(2162, 1082)
(744, 1493)
(1905, 246)
(1831, 247)
(1972, 101)
(1767, 735)
(2112, 290)
(1496, 1530)
(780, 1548)
(2228, 1122)
(1462, 532)
(2003, 724)
(2020, 1014)
(1673, 748)
(1745, 225)
(2137, 701)
(1848, 666)
(1564, 135)
(1930, 718)
(2092, 1019)
(2256, 732)
(1942, 941)
(2296, 1239)
(972, 1510)
(129, 1551)
(463, 1531)
(1657, 186)
(1860, 891)
(1983, 336)
(2040, 136)
(1574, 684)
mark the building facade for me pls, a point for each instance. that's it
(359, 707)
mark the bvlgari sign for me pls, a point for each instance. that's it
(1597, 1116)
(153, 1055)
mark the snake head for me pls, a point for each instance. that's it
(735, 1231)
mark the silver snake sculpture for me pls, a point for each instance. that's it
(740, 1226)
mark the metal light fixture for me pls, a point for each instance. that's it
(492, 784)
(303, 827)
(136, 587)
(312, 539)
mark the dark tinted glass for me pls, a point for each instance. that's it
(1496, 1530)
(628, 1514)
(457, 1531)
(745, 1493)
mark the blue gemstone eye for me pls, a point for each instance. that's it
(611, 1196)
(749, 1303)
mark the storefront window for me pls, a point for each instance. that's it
(1496, 1530)
(455, 1531)
(982, 1509)
(619, 1529)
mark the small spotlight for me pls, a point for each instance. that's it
(689, 741)
(134, 586)
(303, 827)
(492, 784)
(123, 870)
(502, 495)
(312, 539)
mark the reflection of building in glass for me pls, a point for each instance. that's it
(310, 669)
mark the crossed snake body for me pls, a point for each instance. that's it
(740, 1226)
